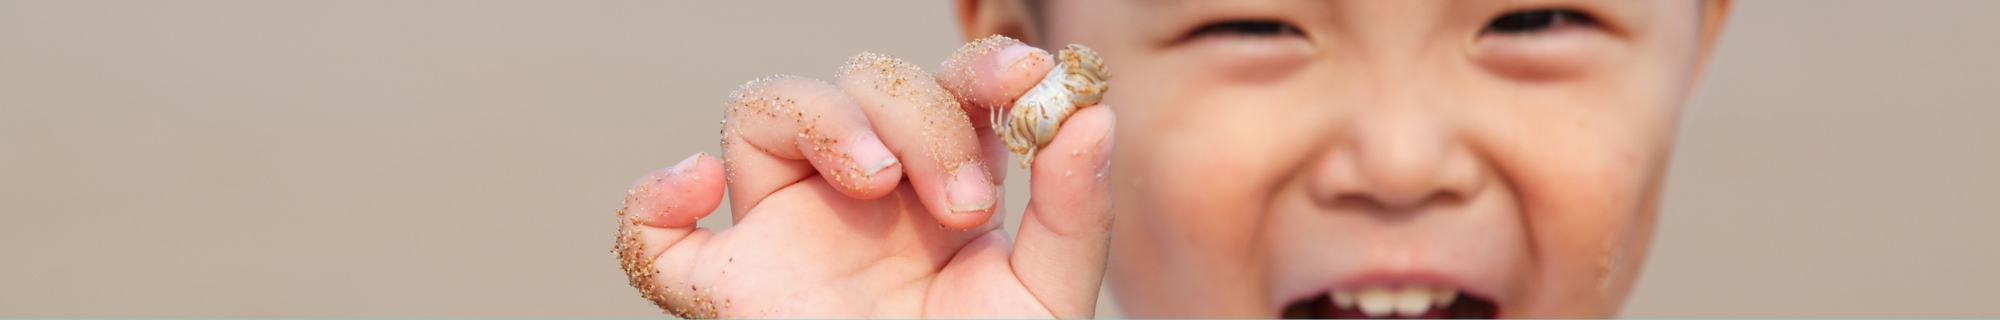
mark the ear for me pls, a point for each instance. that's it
(1713, 14)
(1011, 18)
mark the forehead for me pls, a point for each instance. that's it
(1360, 9)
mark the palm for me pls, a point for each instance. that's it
(809, 251)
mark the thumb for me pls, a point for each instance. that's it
(1066, 233)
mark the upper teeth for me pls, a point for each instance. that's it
(1408, 301)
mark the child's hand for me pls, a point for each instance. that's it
(824, 228)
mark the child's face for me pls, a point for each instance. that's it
(1274, 155)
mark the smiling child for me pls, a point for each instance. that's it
(1273, 159)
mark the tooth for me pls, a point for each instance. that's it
(1343, 298)
(1444, 296)
(1376, 301)
(1413, 301)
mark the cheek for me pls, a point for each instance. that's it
(1202, 152)
(1195, 172)
(1197, 179)
(1588, 190)
(1201, 215)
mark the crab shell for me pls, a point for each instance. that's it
(1079, 80)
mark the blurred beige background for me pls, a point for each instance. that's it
(462, 159)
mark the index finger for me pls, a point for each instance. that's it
(991, 72)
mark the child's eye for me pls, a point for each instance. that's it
(1249, 50)
(1529, 21)
(1253, 28)
(1544, 44)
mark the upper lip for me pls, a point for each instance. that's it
(1480, 248)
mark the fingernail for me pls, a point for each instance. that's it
(646, 196)
(870, 154)
(1018, 58)
(686, 166)
(968, 190)
(1104, 144)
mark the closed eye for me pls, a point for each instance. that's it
(1246, 28)
(1247, 50)
(1545, 45)
(1538, 20)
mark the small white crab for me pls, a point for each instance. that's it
(1079, 80)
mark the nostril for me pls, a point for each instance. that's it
(1351, 202)
(1449, 198)
(1376, 203)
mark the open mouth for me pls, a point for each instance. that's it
(1382, 302)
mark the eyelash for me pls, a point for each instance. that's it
(1246, 28)
(1517, 22)
(1533, 21)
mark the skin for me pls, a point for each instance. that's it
(817, 236)
(1384, 143)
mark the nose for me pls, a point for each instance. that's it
(1396, 161)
